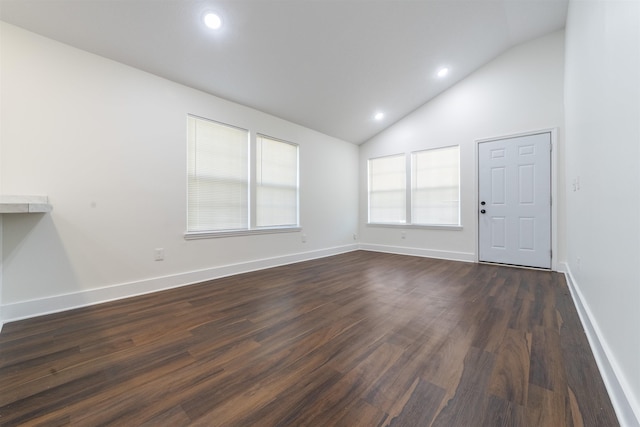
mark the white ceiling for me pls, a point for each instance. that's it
(326, 64)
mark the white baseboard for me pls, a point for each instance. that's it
(627, 411)
(427, 253)
(54, 304)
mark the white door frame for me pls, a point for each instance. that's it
(554, 189)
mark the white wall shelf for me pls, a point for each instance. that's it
(24, 204)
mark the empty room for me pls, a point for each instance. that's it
(320, 213)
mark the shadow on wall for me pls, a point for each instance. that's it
(29, 277)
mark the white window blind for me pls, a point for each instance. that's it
(435, 185)
(218, 176)
(276, 183)
(388, 190)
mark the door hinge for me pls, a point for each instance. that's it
(550, 253)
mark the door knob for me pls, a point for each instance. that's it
(483, 211)
(483, 203)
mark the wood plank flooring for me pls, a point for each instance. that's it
(359, 339)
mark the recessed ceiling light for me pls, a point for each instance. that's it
(212, 21)
(443, 72)
(379, 116)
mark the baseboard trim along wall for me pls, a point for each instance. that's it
(54, 304)
(58, 303)
(427, 253)
(628, 413)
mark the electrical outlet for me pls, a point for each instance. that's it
(575, 183)
(304, 238)
(159, 254)
(403, 235)
(355, 236)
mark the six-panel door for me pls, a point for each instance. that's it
(514, 182)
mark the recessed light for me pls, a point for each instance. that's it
(212, 21)
(443, 72)
(379, 116)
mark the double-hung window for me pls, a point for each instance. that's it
(387, 190)
(276, 183)
(424, 191)
(435, 186)
(237, 184)
(218, 176)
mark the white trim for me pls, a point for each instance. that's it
(616, 384)
(194, 235)
(554, 199)
(1, 274)
(416, 226)
(427, 253)
(554, 189)
(54, 304)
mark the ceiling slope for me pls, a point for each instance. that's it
(327, 65)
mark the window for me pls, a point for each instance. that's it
(276, 183)
(218, 176)
(228, 196)
(387, 190)
(435, 187)
(432, 197)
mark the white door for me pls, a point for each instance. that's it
(514, 212)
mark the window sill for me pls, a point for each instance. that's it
(195, 235)
(417, 226)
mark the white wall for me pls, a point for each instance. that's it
(107, 144)
(602, 102)
(519, 91)
(1, 315)
(1, 216)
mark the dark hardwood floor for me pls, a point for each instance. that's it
(360, 339)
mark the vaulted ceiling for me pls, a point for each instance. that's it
(329, 65)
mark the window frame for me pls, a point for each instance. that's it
(254, 185)
(413, 157)
(252, 228)
(409, 224)
(369, 189)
